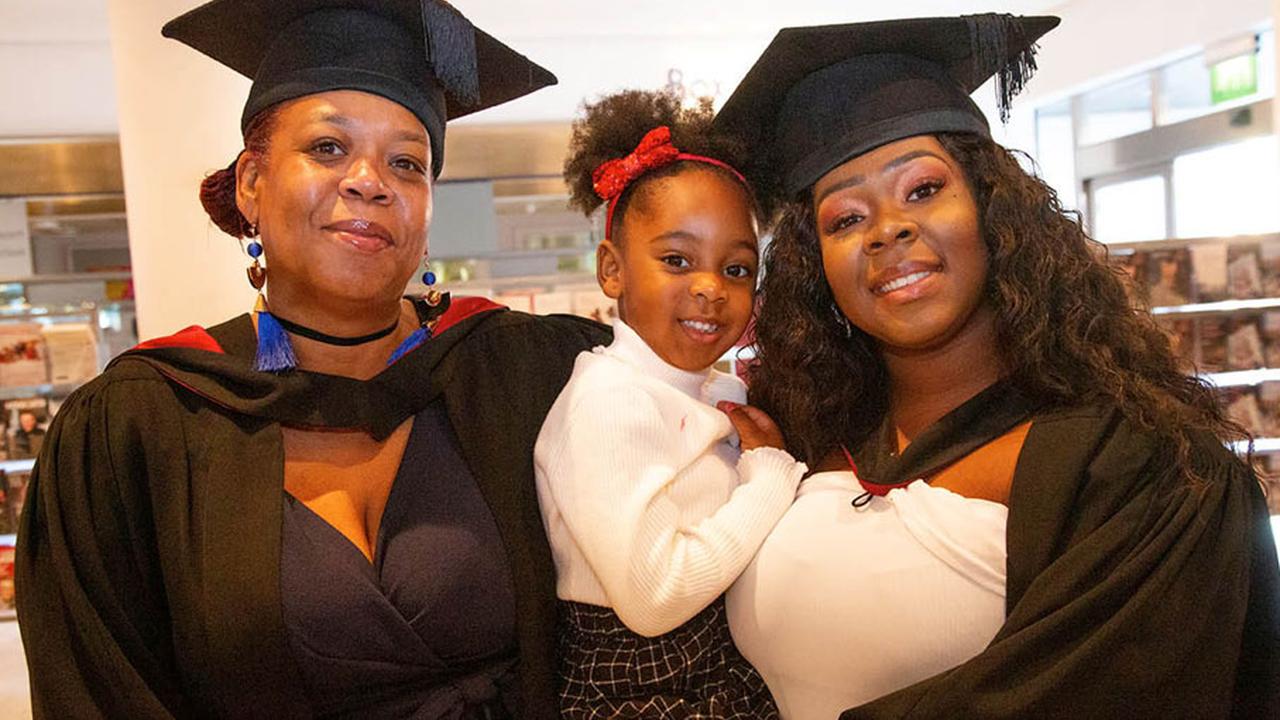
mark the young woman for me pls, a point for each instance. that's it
(1045, 520)
(650, 508)
(327, 509)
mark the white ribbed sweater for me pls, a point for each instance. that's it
(648, 507)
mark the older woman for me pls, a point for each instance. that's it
(324, 509)
(1023, 508)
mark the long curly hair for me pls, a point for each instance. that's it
(613, 126)
(1066, 331)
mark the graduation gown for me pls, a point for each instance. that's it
(148, 563)
(1131, 590)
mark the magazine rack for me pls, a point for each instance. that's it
(1219, 298)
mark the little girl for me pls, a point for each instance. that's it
(650, 509)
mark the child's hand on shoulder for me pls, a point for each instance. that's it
(755, 427)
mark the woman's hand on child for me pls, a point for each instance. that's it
(755, 427)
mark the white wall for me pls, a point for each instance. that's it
(179, 119)
(598, 48)
(55, 69)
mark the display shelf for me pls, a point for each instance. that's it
(491, 287)
(17, 313)
(1217, 308)
(1179, 243)
(17, 466)
(42, 390)
(65, 278)
(522, 254)
(1260, 445)
(1240, 378)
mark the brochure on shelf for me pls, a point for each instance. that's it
(1182, 338)
(28, 420)
(1244, 275)
(13, 493)
(1211, 345)
(1270, 474)
(1244, 347)
(1242, 407)
(1269, 405)
(73, 352)
(15, 238)
(1209, 267)
(1269, 262)
(8, 609)
(22, 355)
(1169, 278)
(1134, 266)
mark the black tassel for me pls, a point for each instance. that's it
(451, 50)
(990, 36)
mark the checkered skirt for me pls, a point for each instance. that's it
(691, 673)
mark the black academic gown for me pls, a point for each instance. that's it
(148, 562)
(1131, 592)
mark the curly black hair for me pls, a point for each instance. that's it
(1066, 331)
(613, 126)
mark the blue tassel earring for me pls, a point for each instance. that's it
(275, 352)
(423, 333)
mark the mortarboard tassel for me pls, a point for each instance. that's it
(989, 34)
(275, 352)
(451, 50)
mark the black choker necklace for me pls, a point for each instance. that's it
(318, 336)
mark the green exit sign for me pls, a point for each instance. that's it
(1233, 78)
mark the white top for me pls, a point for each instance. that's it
(844, 605)
(648, 507)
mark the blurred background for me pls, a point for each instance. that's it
(1155, 119)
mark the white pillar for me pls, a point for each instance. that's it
(179, 120)
(1275, 102)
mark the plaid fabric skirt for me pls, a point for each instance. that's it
(692, 673)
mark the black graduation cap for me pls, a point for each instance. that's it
(422, 54)
(821, 95)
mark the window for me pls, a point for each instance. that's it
(1228, 190)
(1130, 210)
(1121, 108)
(1056, 150)
(1184, 91)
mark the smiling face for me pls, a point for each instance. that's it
(684, 266)
(342, 200)
(901, 245)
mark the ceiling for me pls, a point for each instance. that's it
(578, 20)
(594, 47)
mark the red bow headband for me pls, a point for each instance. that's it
(655, 151)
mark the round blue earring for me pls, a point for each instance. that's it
(275, 352)
(257, 273)
(432, 296)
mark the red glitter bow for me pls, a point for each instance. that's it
(654, 151)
